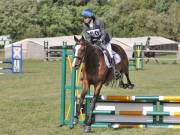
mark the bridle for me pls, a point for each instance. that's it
(80, 58)
(83, 57)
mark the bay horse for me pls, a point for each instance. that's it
(95, 72)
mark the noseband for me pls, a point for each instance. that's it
(81, 58)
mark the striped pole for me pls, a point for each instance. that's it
(5, 68)
(137, 98)
(112, 98)
(138, 57)
(116, 126)
(169, 98)
(136, 113)
(159, 112)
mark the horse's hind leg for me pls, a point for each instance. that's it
(121, 83)
(129, 84)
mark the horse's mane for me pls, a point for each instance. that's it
(93, 47)
(93, 53)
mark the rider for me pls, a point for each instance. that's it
(94, 33)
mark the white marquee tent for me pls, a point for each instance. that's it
(33, 48)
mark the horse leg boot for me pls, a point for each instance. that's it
(76, 120)
(85, 87)
(87, 127)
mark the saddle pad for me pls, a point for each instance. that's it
(116, 57)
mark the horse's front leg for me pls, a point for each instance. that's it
(93, 101)
(85, 87)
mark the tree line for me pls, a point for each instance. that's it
(123, 18)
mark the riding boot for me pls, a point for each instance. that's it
(116, 73)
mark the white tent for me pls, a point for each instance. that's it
(33, 48)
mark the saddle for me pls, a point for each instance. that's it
(116, 58)
(105, 51)
(110, 63)
(107, 56)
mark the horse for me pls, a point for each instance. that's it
(150, 54)
(95, 72)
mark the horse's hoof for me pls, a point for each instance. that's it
(106, 84)
(87, 129)
(121, 86)
(76, 121)
(130, 86)
(125, 86)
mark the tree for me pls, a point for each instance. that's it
(29, 18)
(174, 21)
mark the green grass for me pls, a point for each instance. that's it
(1, 54)
(29, 103)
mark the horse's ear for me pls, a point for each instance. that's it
(76, 39)
(83, 38)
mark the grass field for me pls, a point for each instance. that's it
(29, 103)
(1, 53)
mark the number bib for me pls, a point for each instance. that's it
(94, 33)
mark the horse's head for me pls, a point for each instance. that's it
(79, 52)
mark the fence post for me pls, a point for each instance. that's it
(46, 46)
(63, 85)
(73, 88)
(178, 54)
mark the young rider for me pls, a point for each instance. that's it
(94, 32)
